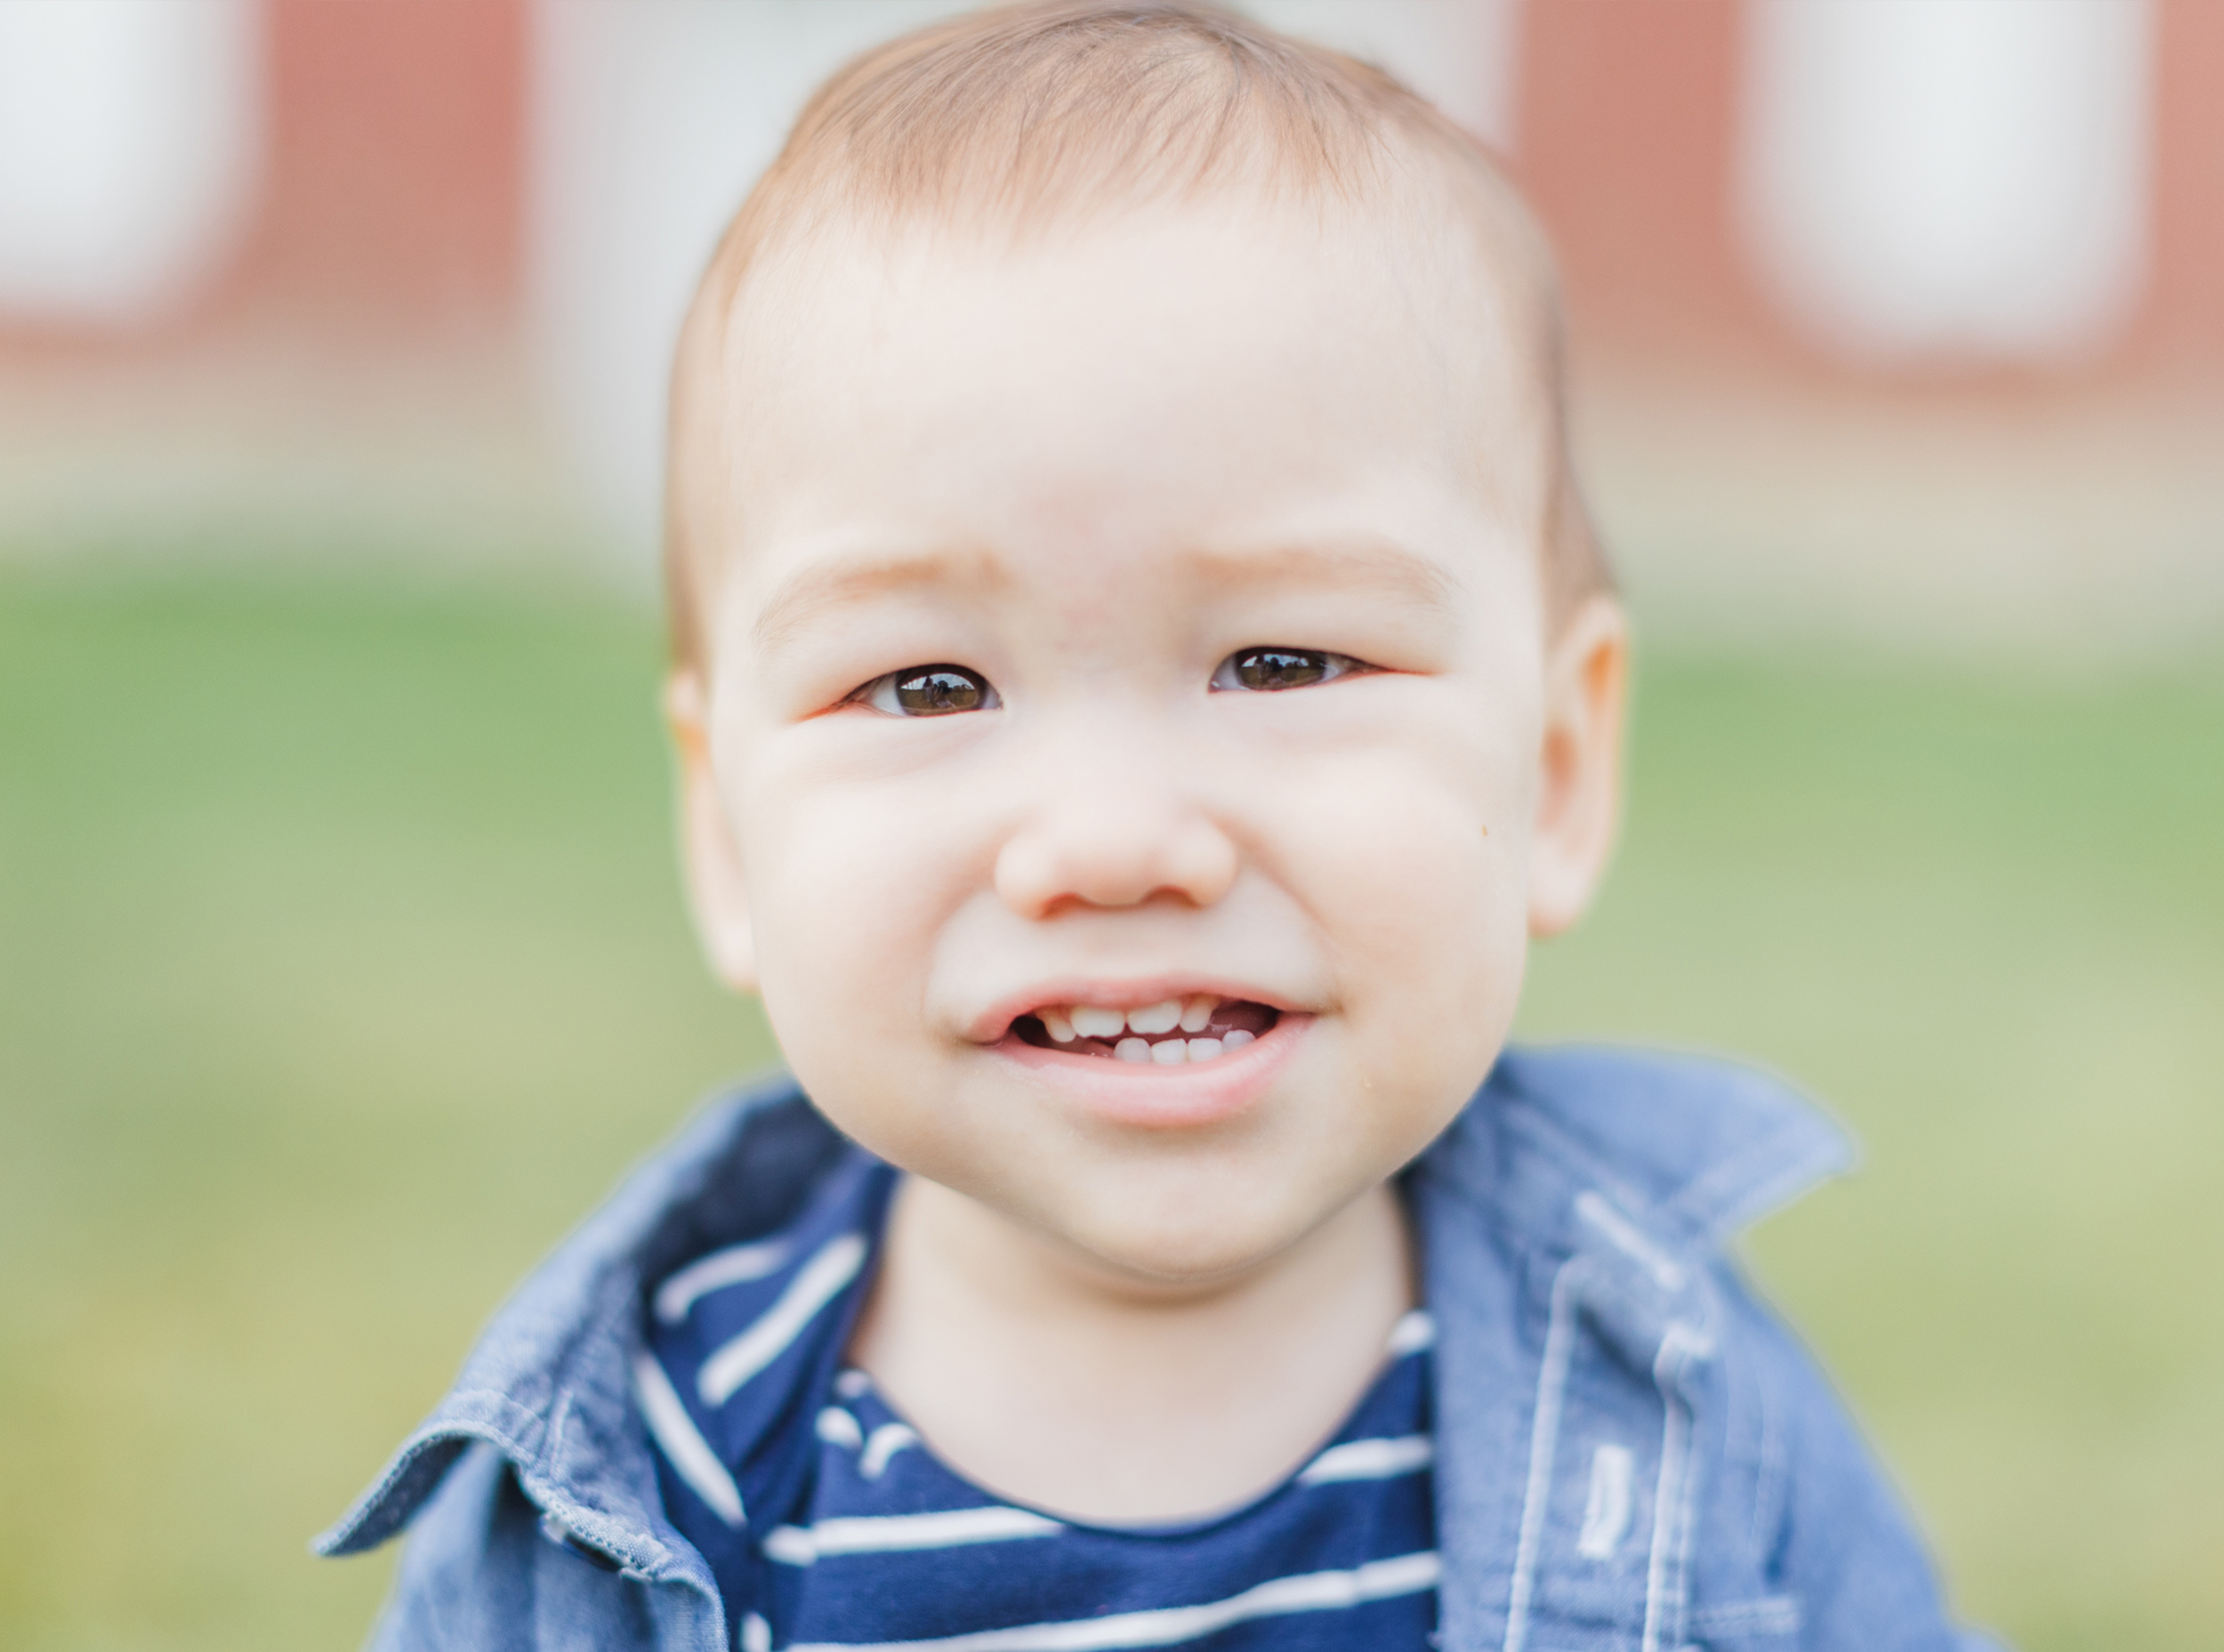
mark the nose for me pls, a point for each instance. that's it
(1113, 836)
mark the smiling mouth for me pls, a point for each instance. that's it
(1173, 1032)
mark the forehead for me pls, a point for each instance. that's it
(1183, 375)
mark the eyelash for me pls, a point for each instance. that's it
(1226, 676)
(885, 694)
(943, 690)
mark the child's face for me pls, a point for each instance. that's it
(1148, 615)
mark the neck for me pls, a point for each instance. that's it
(1049, 1376)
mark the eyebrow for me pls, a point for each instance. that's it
(805, 595)
(810, 592)
(1361, 561)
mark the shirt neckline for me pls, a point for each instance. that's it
(1408, 1346)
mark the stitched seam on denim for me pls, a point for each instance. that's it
(561, 1409)
(1686, 1512)
(1551, 1391)
(1730, 1183)
(1567, 1155)
(1773, 1474)
(616, 1319)
(505, 1434)
(558, 1493)
(1664, 1566)
(1767, 1615)
(642, 1554)
(371, 1506)
(1600, 1213)
(1827, 1158)
(1699, 1207)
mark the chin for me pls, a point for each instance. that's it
(1201, 1243)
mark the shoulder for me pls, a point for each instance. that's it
(1694, 1146)
(532, 1481)
(486, 1570)
(1618, 1412)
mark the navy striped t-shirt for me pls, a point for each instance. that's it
(816, 1504)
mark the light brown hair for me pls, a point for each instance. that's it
(1019, 114)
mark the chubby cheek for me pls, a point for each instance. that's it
(1416, 861)
(846, 890)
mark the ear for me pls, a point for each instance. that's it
(707, 850)
(1579, 793)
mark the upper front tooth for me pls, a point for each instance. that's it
(1056, 1024)
(1090, 1022)
(1197, 1011)
(1155, 1017)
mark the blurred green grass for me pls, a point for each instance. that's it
(342, 966)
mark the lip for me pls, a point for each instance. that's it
(1146, 1095)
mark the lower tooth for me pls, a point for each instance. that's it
(1168, 1052)
(1203, 1049)
(1133, 1050)
(1236, 1039)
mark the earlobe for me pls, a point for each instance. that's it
(717, 889)
(1579, 789)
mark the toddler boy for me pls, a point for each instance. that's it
(1143, 674)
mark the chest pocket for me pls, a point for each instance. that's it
(1611, 1507)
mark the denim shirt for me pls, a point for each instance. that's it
(1632, 1453)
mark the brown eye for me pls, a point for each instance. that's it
(1268, 671)
(1279, 668)
(928, 692)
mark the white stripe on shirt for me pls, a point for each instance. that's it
(884, 1534)
(1370, 1460)
(1415, 1330)
(735, 1265)
(817, 1282)
(684, 1447)
(1309, 1592)
(886, 1441)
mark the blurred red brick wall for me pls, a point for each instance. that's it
(1627, 147)
(392, 199)
(2180, 327)
(396, 192)
(1628, 123)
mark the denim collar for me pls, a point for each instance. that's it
(1613, 1172)
(1590, 1182)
